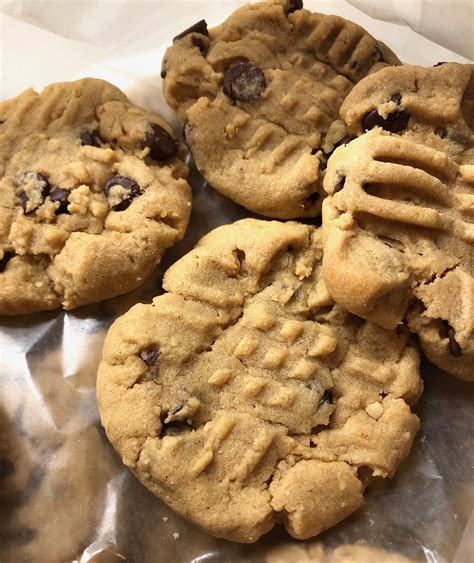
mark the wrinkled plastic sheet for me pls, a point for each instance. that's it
(64, 494)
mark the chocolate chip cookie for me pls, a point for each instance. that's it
(399, 241)
(259, 96)
(432, 106)
(92, 191)
(244, 396)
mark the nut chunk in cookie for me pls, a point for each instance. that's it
(244, 396)
(93, 190)
(259, 96)
(399, 242)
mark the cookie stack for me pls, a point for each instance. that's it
(273, 380)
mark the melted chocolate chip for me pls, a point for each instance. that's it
(61, 196)
(244, 82)
(395, 122)
(91, 138)
(7, 468)
(340, 184)
(312, 199)
(397, 98)
(175, 428)
(323, 162)
(132, 188)
(7, 256)
(327, 397)
(199, 27)
(150, 356)
(40, 187)
(160, 142)
(447, 331)
(295, 5)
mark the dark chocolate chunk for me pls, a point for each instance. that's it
(244, 82)
(395, 122)
(160, 142)
(199, 27)
(150, 356)
(7, 256)
(61, 196)
(201, 44)
(132, 188)
(447, 331)
(91, 138)
(339, 185)
(41, 187)
(7, 468)
(295, 5)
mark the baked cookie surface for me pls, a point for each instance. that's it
(259, 96)
(92, 191)
(244, 396)
(432, 106)
(398, 230)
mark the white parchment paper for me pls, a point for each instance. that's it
(73, 500)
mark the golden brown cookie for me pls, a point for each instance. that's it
(399, 239)
(259, 96)
(432, 106)
(244, 396)
(92, 192)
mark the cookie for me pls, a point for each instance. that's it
(259, 96)
(244, 396)
(41, 478)
(92, 191)
(432, 106)
(398, 242)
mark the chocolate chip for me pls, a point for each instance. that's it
(160, 142)
(7, 468)
(244, 82)
(61, 196)
(175, 428)
(447, 331)
(323, 162)
(339, 185)
(131, 187)
(199, 27)
(150, 356)
(439, 63)
(397, 98)
(201, 44)
(313, 198)
(295, 5)
(441, 132)
(38, 187)
(395, 122)
(7, 256)
(327, 397)
(163, 73)
(91, 138)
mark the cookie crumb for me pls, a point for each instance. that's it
(165, 518)
(176, 536)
